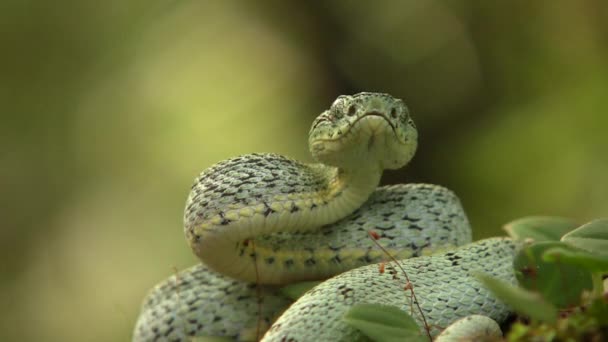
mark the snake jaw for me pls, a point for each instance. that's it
(364, 126)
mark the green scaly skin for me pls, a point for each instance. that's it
(445, 288)
(268, 219)
(258, 194)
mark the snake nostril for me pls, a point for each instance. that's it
(352, 110)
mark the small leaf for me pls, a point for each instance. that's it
(384, 323)
(296, 290)
(525, 302)
(591, 262)
(539, 228)
(559, 283)
(598, 310)
(592, 237)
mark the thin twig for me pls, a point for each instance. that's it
(374, 236)
(258, 290)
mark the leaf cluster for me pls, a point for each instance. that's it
(560, 296)
(559, 269)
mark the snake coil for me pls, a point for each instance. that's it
(259, 221)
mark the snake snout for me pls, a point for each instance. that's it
(380, 115)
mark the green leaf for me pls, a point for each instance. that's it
(591, 262)
(525, 302)
(592, 237)
(559, 283)
(539, 228)
(384, 323)
(296, 290)
(598, 310)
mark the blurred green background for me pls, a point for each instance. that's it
(110, 109)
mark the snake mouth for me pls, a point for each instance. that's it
(341, 135)
(377, 114)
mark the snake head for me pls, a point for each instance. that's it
(364, 128)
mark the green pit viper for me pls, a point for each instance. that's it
(260, 221)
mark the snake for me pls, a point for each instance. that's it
(260, 221)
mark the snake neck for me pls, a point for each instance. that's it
(346, 190)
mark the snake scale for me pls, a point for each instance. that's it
(260, 221)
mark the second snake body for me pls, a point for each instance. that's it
(267, 219)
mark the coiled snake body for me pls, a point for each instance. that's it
(267, 219)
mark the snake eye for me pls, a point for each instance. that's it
(352, 110)
(394, 113)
